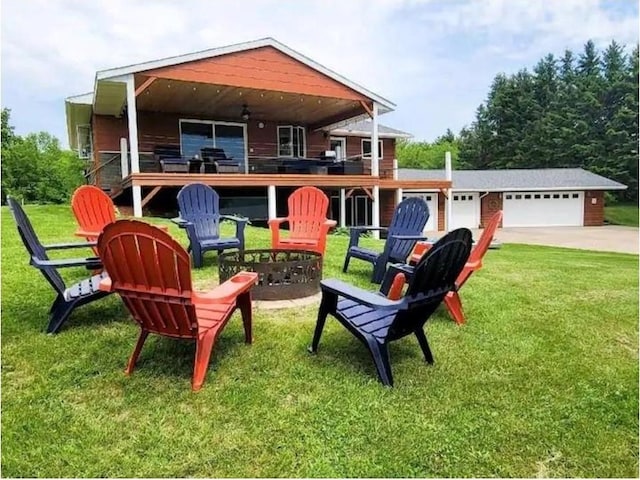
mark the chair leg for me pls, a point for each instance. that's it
(379, 268)
(204, 345)
(327, 304)
(424, 345)
(60, 311)
(244, 304)
(380, 354)
(197, 255)
(136, 352)
(346, 262)
(454, 305)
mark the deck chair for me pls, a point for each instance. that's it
(199, 207)
(151, 273)
(307, 219)
(67, 298)
(93, 209)
(406, 228)
(452, 300)
(377, 320)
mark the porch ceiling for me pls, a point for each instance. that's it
(225, 102)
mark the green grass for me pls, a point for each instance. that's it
(541, 381)
(623, 214)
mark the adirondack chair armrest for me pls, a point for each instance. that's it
(92, 263)
(355, 232)
(60, 246)
(474, 265)
(409, 237)
(364, 297)
(278, 221)
(329, 224)
(80, 232)
(105, 285)
(181, 222)
(234, 218)
(238, 284)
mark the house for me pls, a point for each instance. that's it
(271, 117)
(528, 197)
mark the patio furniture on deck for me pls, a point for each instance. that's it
(216, 161)
(170, 159)
(376, 320)
(199, 207)
(452, 300)
(406, 228)
(151, 272)
(307, 219)
(68, 298)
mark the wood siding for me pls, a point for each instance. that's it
(441, 211)
(593, 212)
(264, 68)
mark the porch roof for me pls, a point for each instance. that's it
(274, 81)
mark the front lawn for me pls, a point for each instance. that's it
(622, 214)
(541, 381)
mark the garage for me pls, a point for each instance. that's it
(465, 210)
(432, 201)
(542, 209)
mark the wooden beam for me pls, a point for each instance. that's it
(144, 86)
(349, 193)
(150, 195)
(367, 108)
(368, 193)
(443, 191)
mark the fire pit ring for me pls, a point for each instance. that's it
(282, 274)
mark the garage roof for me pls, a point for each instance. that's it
(517, 179)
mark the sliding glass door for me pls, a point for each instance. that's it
(231, 137)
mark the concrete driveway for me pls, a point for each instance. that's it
(609, 238)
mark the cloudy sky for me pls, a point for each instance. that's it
(434, 58)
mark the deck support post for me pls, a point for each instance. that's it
(271, 201)
(132, 117)
(398, 195)
(375, 170)
(124, 158)
(343, 208)
(449, 197)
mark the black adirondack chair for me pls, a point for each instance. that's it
(407, 225)
(199, 207)
(376, 320)
(67, 298)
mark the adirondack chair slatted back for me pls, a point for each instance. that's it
(92, 208)
(200, 205)
(151, 272)
(409, 218)
(434, 277)
(307, 212)
(33, 245)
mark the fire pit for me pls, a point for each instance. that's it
(282, 274)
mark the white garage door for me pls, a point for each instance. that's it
(465, 210)
(432, 201)
(541, 209)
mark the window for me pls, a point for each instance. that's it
(565, 195)
(291, 141)
(546, 195)
(575, 195)
(198, 134)
(537, 196)
(555, 195)
(527, 197)
(455, 197)
(508, 197)
(85, 145)
(518, 197)
(366, 148)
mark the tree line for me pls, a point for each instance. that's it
(35, 168)
(572, 111)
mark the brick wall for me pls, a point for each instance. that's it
(593, 212)
(489, 205)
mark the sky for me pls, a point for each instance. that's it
(435, 59)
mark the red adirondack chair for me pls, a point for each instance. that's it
(151, 272)
(308, 225)
(452, 300)
(93, 210)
